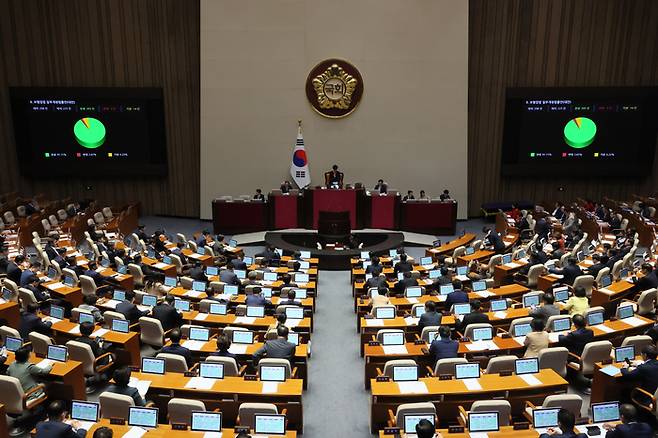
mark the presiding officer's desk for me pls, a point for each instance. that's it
(165, 430)
(227, 394)
(447, 395)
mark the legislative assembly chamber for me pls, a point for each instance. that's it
(355, 218)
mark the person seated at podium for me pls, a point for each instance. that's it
(259, 195)
(423, 196)
(409, 196)
(381, 186)
(334, 178)
(445, 196)
(286, 187)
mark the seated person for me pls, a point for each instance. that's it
(210, 295)
(238, 263)
(493, 240)
(203, 239)
(403, 265)
(475, 317)
(30, 322)
(121, 379)
(577, 304)
(167, 314)
(443, 347)
(425, 429)
(56, 427)
(375, 267)
(537, 339)
(26, 372)
(33, 286)
(28, 275)
(290, 301)
(255, 299)
(277, 348)
(381, 186)
(569, 272)
(96, 276)
(406, 282)
(445, 195)
(645, 374)
(566, 421)
(547, 309)
(409, 196)
(198, 272)
(629, 427)
(442, 279)
(286, 280)
(376, 281)
(89, 304)
(176, 348)
(381, 299)
(576, 340)
(103, 432)
(129, 309)
(259, 195)
(269, 254)
(223, 346)
(458, 295)
(228, 276)
(430, 318)
(86, 329)
(649, 279)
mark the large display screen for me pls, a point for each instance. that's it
(89, 132)
(579, 131)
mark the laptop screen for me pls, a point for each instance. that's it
(561, 324)
(400, 276)
(410, 421)
(526, 366)
(201, 250)
(498, 305)
(266, 292)
(470, 250)
(273, 373)
(462, 270)
(561, 294)
(604, 412)
(543, 418)
(366, 264)
(211, 370)
(482, 422)
(462, 309)
(305, 254)
(6, 294)
(149, 300)
(52, 273)
(270, 276)
(507, 258)
(233, 243)
(170, 281)
(206, 421)
(230, 289)
(413, 292)
(294, 312)
(151, 253)
(467, 370)
(300, 293)
(434, 273)
(580, 255)
(166, 260)
(243, 337)
(479, 286)
(625, 311)
(595, 318)
(606, 281)
(86, 317)
(522, 329)
(152, 365)
(393, 253)
(248, 261)
(199, 334)
(520, 254)
(122, 269)
(57, 312)
(218, 309)
(12, 343)
(530, 300)
(182, 305)
(69, 281)
(241, 274)
(84, 411)
(385, 312)
(255, 311)
(119, 295)
(405, 373)
(120, 325)
(418, 311)
(270, 424)
(393, 338)
(436, 243)
(199, 286)
(57, 352)
(279, 251)
(304, 265)
(426, 260)
(446, 289)
(144, 417)
(301, 278)
(365, 255)
(212, 270)
(483, 334)
(293, 338)
(623, 353)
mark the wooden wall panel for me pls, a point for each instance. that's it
(545, 43)
(106, 43)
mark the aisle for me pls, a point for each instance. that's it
(336, 403)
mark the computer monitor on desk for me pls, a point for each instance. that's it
(273, 373)
(483, 422)
(269, 424)
(58, 353)
(411, 420)
(405, 373)
(605, 412)
(152, 365)
(544, 418)
(12, 343)
(528, 365)
(143, 417)
(469, 370)
(206, 421)
(84, 411)
(86, 317)
(120, 325)
(211, 370)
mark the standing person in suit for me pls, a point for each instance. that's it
(167, 314)
(381, 186)
(278, 348)
(121, 379)
(409, 196)
(259, 195)
(30, 322)
(26, 372)
(443, 347)
(475, 317)
(576, 340)
(458, 296)
(128, 308)
(646, 374)
(493, 239)
(334, 178)
(431, 317)
(570, 272)
(56, 427)
(629, 427)
(566, 422)
(176, 348)
(537, 339)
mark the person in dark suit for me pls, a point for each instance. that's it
(198, 273)
(290, 301)
(39, 294)
(458, 295)
(629, 427)
(86, 329)
(202, 240)
(50, 249)
(256, 299)
(403, 265)
(445, 195)
(103, 432)
(269, 254)
(566, 421)
(649, 279)
(259, 195)
(375, 267)
(30, 322)
(425, 429)
(176, 348)
(381, 186)
(286, 187)
(569, 272)
(547, 309)
(475, 317)
(98, 278)
(442, 279)
(443, 347)
(493, 239)
(406, 281)
(238, 263)
(409, 196)
(72, 264)
(557, 252)
(431, 317)
(228, 276)
(576, 340)
(278, 348)
(334, 178)
(128, 308)
(121, 379)
(223, 346)
(542, 228)
(600, 262)
(646, 373)
(166, 313)
(55, 427)
(376, 281)
(614, 257)
(28, 275)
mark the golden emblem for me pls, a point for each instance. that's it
(334, 88)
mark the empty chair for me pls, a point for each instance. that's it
(601, 274)
(176, 261)
(186, 282)
(40, 343)
(290, 373)
(389, 365)
(216, 286)
(500, 364)
(503, 407)
(151, 332)
(5, 331)
(107, 212)
(596, 351)
(180, 410)
(646, 302)
(115, 405)
(230, 365)
(248, 411)
(192, 245)
(10, 220)
(586, 281)
(494, 261)
(174, 363)
(13, 287)
(118, 262)
(19, 404)
(616, 269)
(638, 341)
(570, 402)
(99, 218)
(447, 366)
(136, 272)
(27, 298)
(458, 252)
(594, 309)
(533, 275)
(554, 358)
(180, 238)
(61, 214)
(421, 408)
(92, 366)
(110, 315)
(88, 285)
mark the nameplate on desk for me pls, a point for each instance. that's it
(524, 425)
(136, 369)
(117, 421)
(455, 429)
(445, 377)
(505, 335)
(391, 431)
(241, 429)
(373, 343)
(178, 426)
(505, 373)
(189, 374)
(383, 379)
(606, 362)
(250, 377)
(419, 342)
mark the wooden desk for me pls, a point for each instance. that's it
(450, 246)
(124, 281)
(503, 273)
(504, 432)
(71, 294)
(12, 313)
(307, 303)
(205, 260)
(610, 296)
(167, 270)
(478, 256)
(448, 394)
(165, 430)
(197, 318)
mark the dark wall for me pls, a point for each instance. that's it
(532, 43)
(132, 43)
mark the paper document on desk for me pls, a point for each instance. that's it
(142, 308)
(485, 293)
(270, 387)
(588, 262)
(44, 364)
(604, 328)
(100, 332)
(86, 425)
(410, 320)
(500, 314)
(611, 370)
(478, 435)
(412, 388)
(56, 286)
(50, 319)
(395, 349)
(193, 345)
(244, 320)
(201, 316)
(556, 276)
(292, 323)
(606, 291)
(633, 321)
(462, 277)
(530, 379)
(112, 304)
(472, 384)
(520, 339)
(412, 300)
(429, 267)
(193, 293)
(141, 385)
(200, 383)
(161, 265)
(481, 345)
(134, 432)
(555, 336)
(512, 265)
(75, 330)
(238, 348)
(374, 322)
(213, 435)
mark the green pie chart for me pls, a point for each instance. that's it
(89, 132)
(579, 132)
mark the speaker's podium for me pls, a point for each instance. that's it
(333, 200)
(334, 226)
